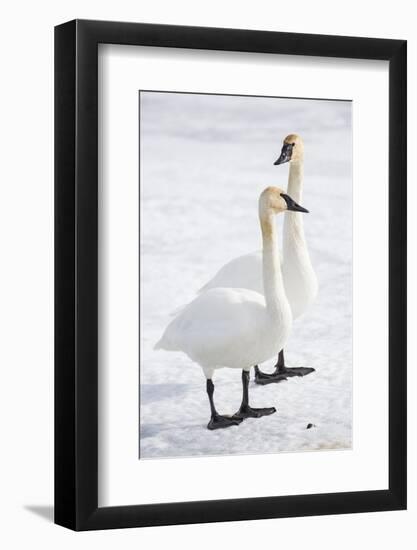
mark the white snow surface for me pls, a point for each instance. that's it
(204, 161)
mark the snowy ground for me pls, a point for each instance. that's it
(204, 161)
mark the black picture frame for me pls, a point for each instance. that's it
(76, 273)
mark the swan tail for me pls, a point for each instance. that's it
(168, 340)
(159, 344)
(164, 343)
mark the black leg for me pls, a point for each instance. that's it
(282, 370)
(263, 378)
(217, 420)
(246, 411)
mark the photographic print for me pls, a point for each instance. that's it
(245, 274)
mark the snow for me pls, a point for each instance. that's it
(204, 161)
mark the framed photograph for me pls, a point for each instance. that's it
(230, 255)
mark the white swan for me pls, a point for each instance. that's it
(300, 280)
(237, 327)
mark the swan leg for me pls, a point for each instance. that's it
(264, 378)
(217, 420)
(282, 370)
(246, 411)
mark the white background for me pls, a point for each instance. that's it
(122, 478)
(26, 401)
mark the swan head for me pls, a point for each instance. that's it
(274, 200)
(292, 150)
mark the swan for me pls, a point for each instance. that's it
(300, 280)
(238, 327)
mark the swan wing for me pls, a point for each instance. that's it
(242, 272)
(218, 328)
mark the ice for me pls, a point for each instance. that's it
(204, 161)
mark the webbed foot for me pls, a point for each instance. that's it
(294, 371)
(219, 421)
(263, 378)
(246, 411)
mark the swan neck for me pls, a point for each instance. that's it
(295, 180)
(272, 277)
(294, 222)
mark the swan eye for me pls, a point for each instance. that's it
(293, 144)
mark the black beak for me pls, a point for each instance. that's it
(286, 153)
(292, 205)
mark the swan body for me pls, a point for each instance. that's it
(241, 272)
(245, 271)
(228, 327)
(300, 280)
(238, 327)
